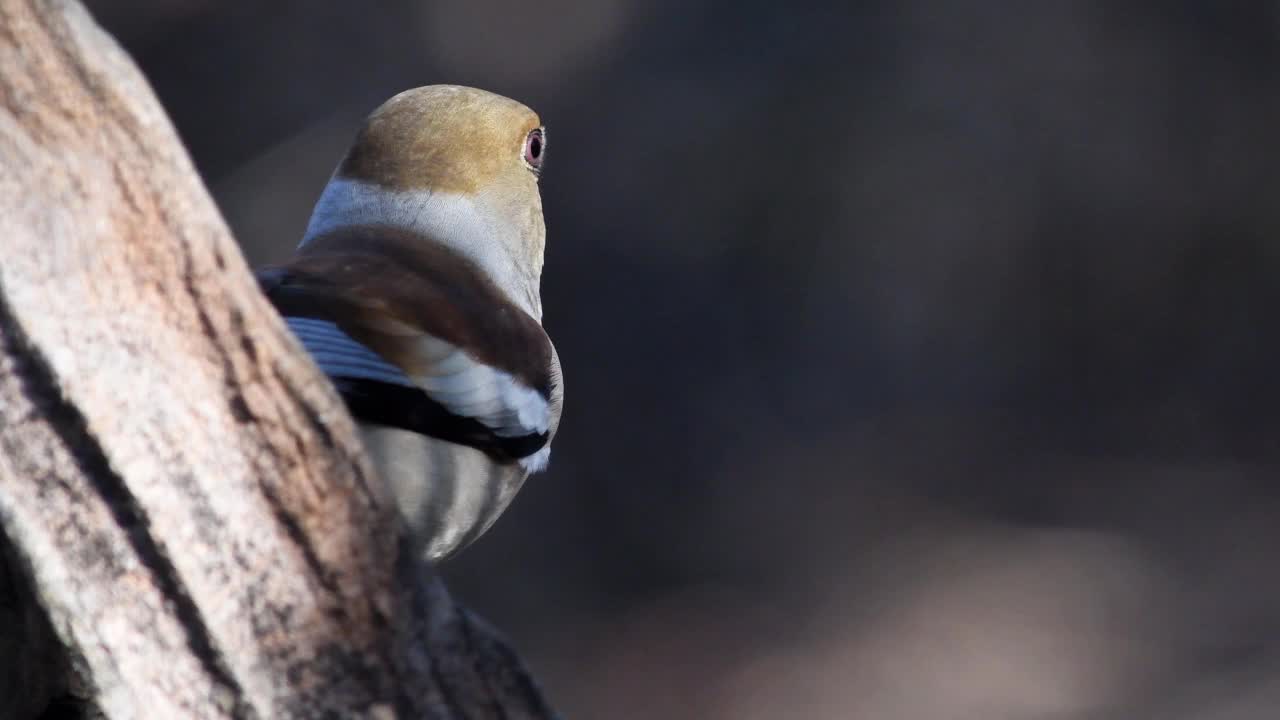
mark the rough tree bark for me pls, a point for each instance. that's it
(191, 529)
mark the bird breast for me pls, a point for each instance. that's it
(448, 494)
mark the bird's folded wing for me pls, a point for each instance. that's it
(416, 350)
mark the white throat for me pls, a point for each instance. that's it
(456, 221)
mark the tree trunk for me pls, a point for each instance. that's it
(192, 529)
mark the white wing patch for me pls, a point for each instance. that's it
(469, 387)
(338, 355)
(538, 461)
(463, 385)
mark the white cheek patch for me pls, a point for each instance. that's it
(468, 387)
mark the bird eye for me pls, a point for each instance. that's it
(535, 146)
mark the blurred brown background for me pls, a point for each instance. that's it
(919, 355)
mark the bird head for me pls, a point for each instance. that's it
(457, 166)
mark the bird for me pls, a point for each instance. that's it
(416, 290)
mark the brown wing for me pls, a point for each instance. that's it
(407, 330)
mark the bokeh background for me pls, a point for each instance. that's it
(920, 355)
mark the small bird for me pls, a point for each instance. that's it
(416, 290)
